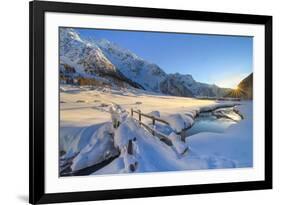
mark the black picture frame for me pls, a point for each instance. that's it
(37, 9)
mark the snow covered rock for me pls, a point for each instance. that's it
(99, 148)
(179, 122)
(192, 113)
(155, 113)
(232, 114)
(73, 139)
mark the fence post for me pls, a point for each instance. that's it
(139, 115)
(130, 148)
(132, 112)
(130, 151)
(153, 123)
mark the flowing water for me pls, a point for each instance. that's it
(208, 122)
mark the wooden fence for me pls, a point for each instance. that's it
(153, 131)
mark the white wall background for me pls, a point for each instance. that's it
(14, 99)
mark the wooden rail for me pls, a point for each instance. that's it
(153, 118)
(153, 131)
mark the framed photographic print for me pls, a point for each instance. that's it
(140, 102)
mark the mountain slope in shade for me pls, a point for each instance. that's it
(185, 85)
(246, 85)
(173, 86)
(244, 89)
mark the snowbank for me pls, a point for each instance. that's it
(154, 113)
(179, 122)
(218, 105)
(99, 148)
(73, 139)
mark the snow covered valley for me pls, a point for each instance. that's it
(99, 133)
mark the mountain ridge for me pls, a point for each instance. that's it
(108, 63)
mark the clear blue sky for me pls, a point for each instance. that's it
(214, 59)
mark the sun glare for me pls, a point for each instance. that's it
(236, 87)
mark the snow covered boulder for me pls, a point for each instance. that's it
(155, 113)
(192, 113)
(100, 148)
(74, 139)
(179, 122)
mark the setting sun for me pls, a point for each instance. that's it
(231, 80)
(236, 87)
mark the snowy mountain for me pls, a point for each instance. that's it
(82, 60)
(175, 84)
(103, 62)
(133, 67)
(185, 85)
